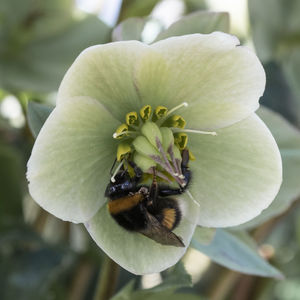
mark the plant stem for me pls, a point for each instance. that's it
(224, 285)
(40, 221)
(81, 280)
(107, 279)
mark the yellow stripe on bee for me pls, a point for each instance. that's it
(124, 203)
(169, 217)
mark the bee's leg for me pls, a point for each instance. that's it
(153, 193)
(185, 158)
(137, 171)
(184, 167)
(165, 191)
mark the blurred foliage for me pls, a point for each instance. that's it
(236, 251)
(130, 29)
(39, 39)
(202, 21)
(37, 114)
(275, 26)
(136, 8)
(194, 5)
(30, 268)
(11, 185)
(173, 279)
(276, 33)
(278, 95)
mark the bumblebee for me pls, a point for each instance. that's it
(147, 210)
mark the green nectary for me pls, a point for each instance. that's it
(154, 139)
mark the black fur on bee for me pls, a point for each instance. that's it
(124, 184)
(147, 210)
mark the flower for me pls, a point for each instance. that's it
(236, 174)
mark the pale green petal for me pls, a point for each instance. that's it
(69, 166)
(288, 140)
(135, 252)
(105, 73)
(220, 80)
(236, 174)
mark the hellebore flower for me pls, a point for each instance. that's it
(206, 83)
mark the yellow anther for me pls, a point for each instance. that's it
(145, 112)
(181, 140)
(179, 122)
(132, 118)
(160, 112)
(175, 121)
(121, 130)
(123, 149)
(191, 155)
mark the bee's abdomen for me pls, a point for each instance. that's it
(129, 212)
(124, 204)
(134, 219)
(169, 218)
(168, 213)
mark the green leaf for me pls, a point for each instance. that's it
(276, 35)
(231, 251)
(175, 278)
(38, 18)
(275, 26)
(193, 5)
(173, 296)
(291, 68)
(136, 8)
(277, 89)
(12, 178)
(288, 140)
(37, 114)
(29, 267)
(204, 235)
(198, 22)
(40, 64)
(130, 29)
(126, 292)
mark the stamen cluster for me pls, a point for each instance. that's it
(153, 140)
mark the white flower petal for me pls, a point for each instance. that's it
(221, 81)
(135, 252)
(105, 73)
(69, 166)
(236, 174)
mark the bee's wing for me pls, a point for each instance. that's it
(161, 234)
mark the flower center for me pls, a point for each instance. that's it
(154, 140)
